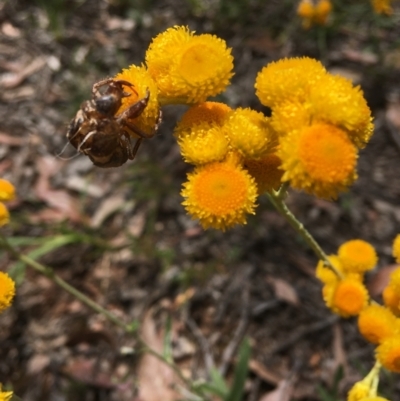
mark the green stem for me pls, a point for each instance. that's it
(277, 199)
(49, 273)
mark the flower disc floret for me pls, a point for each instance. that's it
(349, 298)
(357, 256)
(320, 159)
(376, 323)
(212, 113)
(288, 79)
(220, 195)
(336, 101)
(249, 132)
(394, 280)
(142, 81)
(358, 392)
(7, 291)
(266, 172)
(388, 353)
(189, 68)
(204, 144)
(7, 190)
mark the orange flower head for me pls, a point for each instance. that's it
(350, 297)
(326, 275)
(388, 353)
(212, 113)
(391, 299)
(357, 256)
(320, 159)
(220, 194)
(376, 323)
(7, 190)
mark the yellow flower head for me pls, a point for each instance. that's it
(391, 299)
(4, 215)
(320, 159)
(288, 79)
(5, 395)
(326, 275)
(250, 133)
(394, 280)
(388, 353)
(382, 7)
(266, 171)
(396, 248)
(349, 298)
(189, 68)
(358, 392)
(336, 101)
(290, 116)
(7, 291)
(376, 323)
(206, 143)
(220, 194)
(357, 256)
(212, 113)
(7, 190)
(142, 81)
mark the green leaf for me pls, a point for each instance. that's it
(239, 377)
(218, 382)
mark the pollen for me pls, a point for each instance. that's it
(350, 297)
(204, 144)
(250, 133)
(143, 83)
(7, 190)
(320, 159)
(7, 291)
(376, 323)
(388, 353)
(220, 195)
(266, 172)
(288, 79)
(357, 256)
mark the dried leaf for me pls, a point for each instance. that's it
(284, 290)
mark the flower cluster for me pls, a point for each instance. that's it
(345, 294)
(7, 193)
(314, 14)
(321, 121)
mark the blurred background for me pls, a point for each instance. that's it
(122, 237)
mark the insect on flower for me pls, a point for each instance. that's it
(103, 135)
